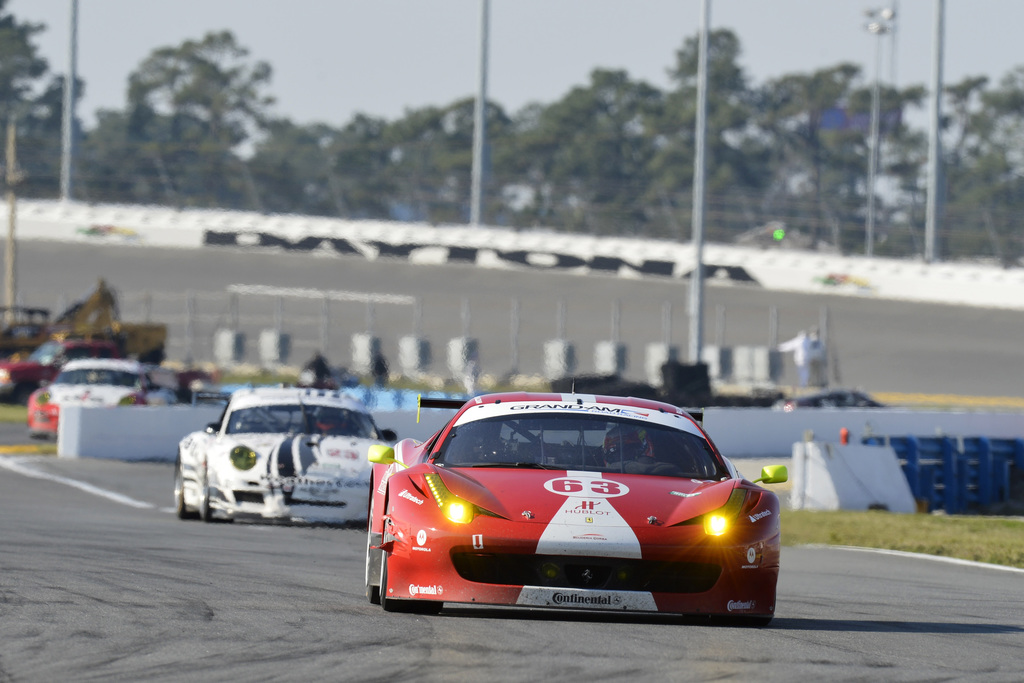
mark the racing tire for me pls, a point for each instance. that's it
(205, 509)
(406, 606)
(180, 508)
(372, 560)
(372, 592)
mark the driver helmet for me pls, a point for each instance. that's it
(626, 442)
(329, 421)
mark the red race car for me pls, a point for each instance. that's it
(571, 501)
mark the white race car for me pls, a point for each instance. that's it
(98, 382)
(280, 453)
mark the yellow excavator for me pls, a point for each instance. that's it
(94, 317)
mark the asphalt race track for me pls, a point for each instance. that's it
(882, 346)
(107, 584)
(99, 580)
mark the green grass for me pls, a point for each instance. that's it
(12, 413)
(996, 540)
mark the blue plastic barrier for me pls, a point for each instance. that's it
(956, 474)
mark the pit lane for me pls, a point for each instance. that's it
(96, 589)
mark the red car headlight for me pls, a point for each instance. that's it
(452, 507)
(718, 522)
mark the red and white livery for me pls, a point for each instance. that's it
(575, 502)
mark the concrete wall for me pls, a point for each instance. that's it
(763, 432)
(153, 432)
(829, 476)
(129, 433)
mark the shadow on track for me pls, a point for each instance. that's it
(876, 626)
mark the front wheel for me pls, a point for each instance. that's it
(373, 562)
(180, 508)
(205, 509)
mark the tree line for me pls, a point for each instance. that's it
(786, 159)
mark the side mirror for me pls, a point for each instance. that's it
(773, 474)
(212, 428)
(381, 455)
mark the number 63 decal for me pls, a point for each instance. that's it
(586, 488)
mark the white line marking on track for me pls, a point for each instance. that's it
(922, 556)
(21, 468)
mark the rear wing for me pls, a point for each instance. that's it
(210, 397)
(427, 402)
(456, 403)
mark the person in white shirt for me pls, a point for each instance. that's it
(809, 357)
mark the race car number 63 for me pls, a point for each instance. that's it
(601, 488)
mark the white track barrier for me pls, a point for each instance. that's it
(763, 432)
(153, 432)
(829, 476)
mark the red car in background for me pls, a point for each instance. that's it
(575, 502)
(98, 382)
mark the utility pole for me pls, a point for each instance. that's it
(697, 275)
(13, 177)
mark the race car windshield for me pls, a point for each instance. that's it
(577, 442)
(301, 419)
(103, 377)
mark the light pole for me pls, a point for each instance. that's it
(880, 23)
(68, 124)
(696, 340)
(479, 123)
(932, 218)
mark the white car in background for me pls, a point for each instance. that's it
(99, 382)
(280, 453)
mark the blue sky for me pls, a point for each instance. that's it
(333, 58)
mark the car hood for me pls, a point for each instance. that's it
(560, 496)
(87, 394)
(294, 455)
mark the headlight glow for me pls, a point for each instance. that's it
(453, 507)
(459, 512)
(243, 457)
(717, 523)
